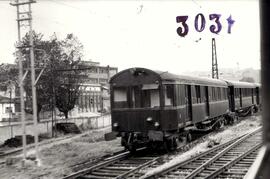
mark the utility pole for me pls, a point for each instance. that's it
(10, 108)
(214, 60)
(24, 20)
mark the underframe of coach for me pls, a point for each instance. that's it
(154, 108)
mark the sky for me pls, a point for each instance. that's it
(139, 33)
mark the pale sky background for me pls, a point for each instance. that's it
(140, 33)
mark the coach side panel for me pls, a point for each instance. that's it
(218, 101)
(247, 97)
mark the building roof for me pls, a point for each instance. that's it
(95, 64)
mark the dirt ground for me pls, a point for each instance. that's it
(57, 158)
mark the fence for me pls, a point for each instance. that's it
(45, 126)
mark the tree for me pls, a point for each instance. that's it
(67, 92)
(248, 79)
(45, 52)
(66, 98)
(8, 72)
(59, 82)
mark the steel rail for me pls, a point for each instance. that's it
(125, 166)
(125, 174)
(217, 156)
(78, 166)
(231, 163)
(200, 158)
(87, 170)
(137, 168)
(189, 160)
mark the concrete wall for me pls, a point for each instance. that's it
(45, 126)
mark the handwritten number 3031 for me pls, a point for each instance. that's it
(200, 22)
(182, 31)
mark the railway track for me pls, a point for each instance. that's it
(231, 161)
(89, 163)
(125, 165)
(117, 167)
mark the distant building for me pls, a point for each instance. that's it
(8, 101)
(7, 108)
(97, 74)
(94, 91)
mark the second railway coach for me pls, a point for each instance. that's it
(243, 96)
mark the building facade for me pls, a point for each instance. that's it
(97, 74)
(94, 91)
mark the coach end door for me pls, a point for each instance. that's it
(188, 102)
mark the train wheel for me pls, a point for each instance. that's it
(165, 146)
(132, 149)
(256, 109)
(226, 121)
(169, 144)
(153, 145)
(236, 118)
(189, 137)
(217, 125)
(252, 111)
(175, 143)
(233, 120)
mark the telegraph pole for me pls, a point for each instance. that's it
(24, 20)
(214, 60)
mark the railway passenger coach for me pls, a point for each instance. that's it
(153, 108)
(243, 95)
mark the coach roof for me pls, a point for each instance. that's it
(192, 80)
(241, 84)
(165, 77)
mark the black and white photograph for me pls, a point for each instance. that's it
(147, 89)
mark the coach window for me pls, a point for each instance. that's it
(180, 95)
(193, 95)
(243, 90)
(168, 95)
(146, 95)
(219, 93)
(214, 94)
(120, 97)
(196, 94)
(209, 89)
(150, 95)
(236, 92)
(203, 94)
(224, 93)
